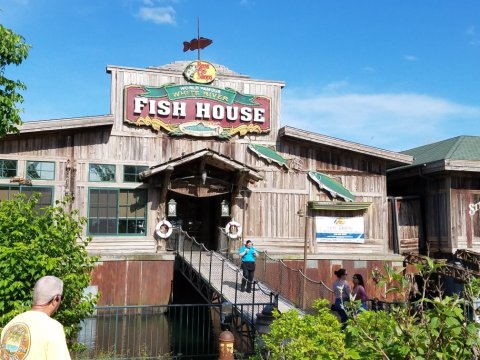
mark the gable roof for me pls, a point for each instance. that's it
(213, 157)
(303, 135)
(461, 153)
(457, 148)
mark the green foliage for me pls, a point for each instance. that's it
(432, 326)
(13, 51)
(35, 243)
(318, 336)
(427, 326)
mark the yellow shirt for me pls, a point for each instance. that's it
(33, 335)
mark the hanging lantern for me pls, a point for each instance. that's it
(172, 208)
(224, 209)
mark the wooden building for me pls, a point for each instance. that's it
(206, 138)
(437, 197)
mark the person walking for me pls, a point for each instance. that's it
(248, 254)
(341, 289)
(358, 290)
(34, 335)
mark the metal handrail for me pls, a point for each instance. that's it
(302, 298)
(202, 251)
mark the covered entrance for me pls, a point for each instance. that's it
(203, 187)
(200, 217)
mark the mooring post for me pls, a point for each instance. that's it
(225, 345)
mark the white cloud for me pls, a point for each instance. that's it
(389, 121)
(471, 33)
(158, 15)
(369, 69)
(410, 57)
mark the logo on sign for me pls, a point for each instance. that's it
(200, 72)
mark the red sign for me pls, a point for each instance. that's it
(198, 110)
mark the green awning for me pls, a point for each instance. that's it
(331, 185)
(329, 205)
(268, 154)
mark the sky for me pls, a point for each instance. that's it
(393, 74)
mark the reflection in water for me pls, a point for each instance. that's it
(184, 332)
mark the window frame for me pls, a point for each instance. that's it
(27, 175)
(137, 180)
(32, 189)
(114, 179)
(118, 218)
(3, 168)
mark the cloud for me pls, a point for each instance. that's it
(410, 57)
(157, 15)
(389, 121)
(369, 69)
(471, 33)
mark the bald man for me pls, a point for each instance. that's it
(34, 335)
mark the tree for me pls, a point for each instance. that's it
(13, 50)
(36, 242)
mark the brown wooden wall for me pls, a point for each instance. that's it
(271, 210)
(445, 212)
(268, 215)
(134, 282)
(465, 190)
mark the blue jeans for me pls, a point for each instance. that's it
(340, 310)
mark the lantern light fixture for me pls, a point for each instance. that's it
(224, 208)
(172, 208)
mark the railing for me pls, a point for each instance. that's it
(151, 332)
(288, 282)
(219, 272)
(285, 281)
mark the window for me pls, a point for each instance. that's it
(101, 172)
(8, 168)
(130, 172)
(46, 193)
(117, 211)
(40, 170)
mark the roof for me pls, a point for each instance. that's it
(303, 135)
(457, 148)
(178, 67)
(214, 157)
(64, 124)
(461, 153)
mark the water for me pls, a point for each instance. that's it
(174, 331)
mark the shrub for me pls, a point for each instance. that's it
(36, 242)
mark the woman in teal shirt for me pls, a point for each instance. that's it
(248, 254)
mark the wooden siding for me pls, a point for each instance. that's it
(410, 224)
(269, 214)
(271, 209)
(465, 226)
(133, 282)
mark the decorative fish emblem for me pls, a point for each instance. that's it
(190, 71)
(196, 44)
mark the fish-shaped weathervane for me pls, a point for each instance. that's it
(195, 44)
(198, 43)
